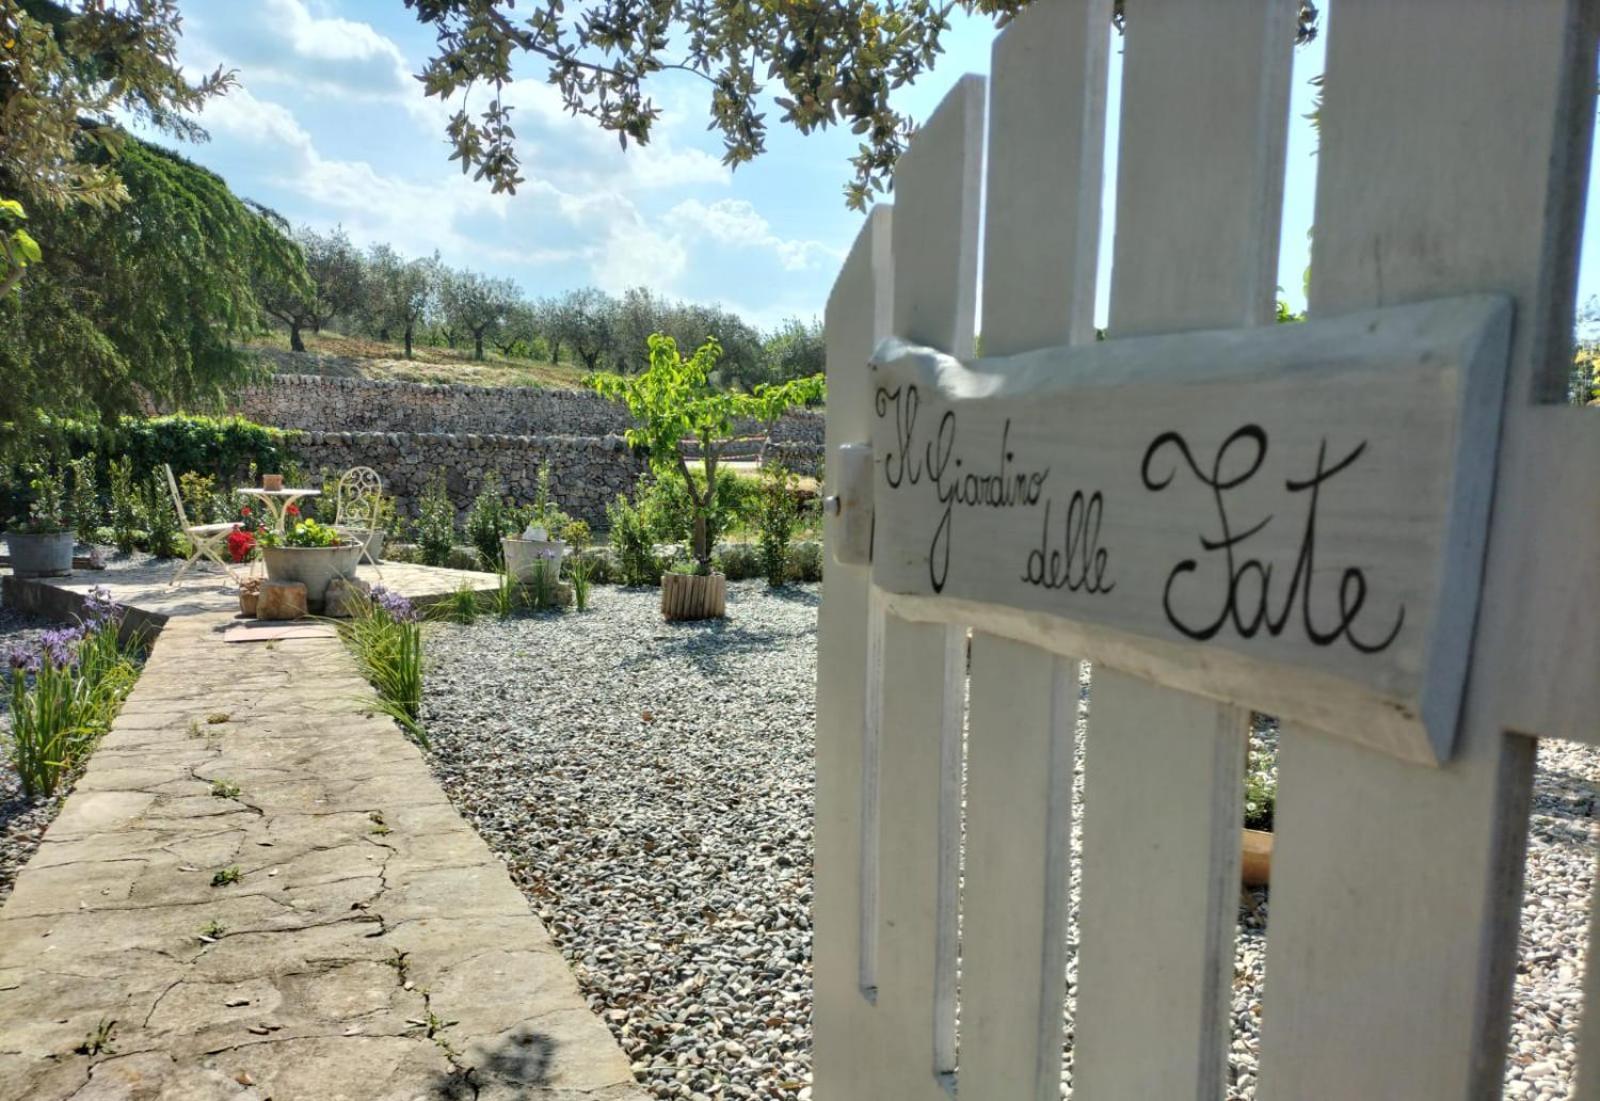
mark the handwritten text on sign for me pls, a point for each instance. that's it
(1300, 500)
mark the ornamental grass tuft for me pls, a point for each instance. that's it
(385, 635)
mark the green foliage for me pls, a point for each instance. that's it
(633, 544)
(199, 493)
(160, 521)
(385, 635)
(776, 519)
(669, 511)
(1261, 780)
(805, 560)
(302, 533)
(226, 877)
(504, 597)
(461, 606)
(541, 585)
(675, 400)
(488, 520)
(546, 513)
(796, 349)
(18, 249)
(326, 283)
(124, 503)
(147, 300)
(579, 573)
(49, 510)
(436, 522)
(835, 62)
(85, 501)
(576, 533)
(64, 697)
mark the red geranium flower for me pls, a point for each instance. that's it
(292, 510)
(244, 510)
(240, 545)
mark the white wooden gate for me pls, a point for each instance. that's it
(1416, 668)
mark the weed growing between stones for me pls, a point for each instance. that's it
(224, 789)
(98, 1042)
(66, 692)
(579, 573)
(226, 877)
(462, 605)
(213, 930)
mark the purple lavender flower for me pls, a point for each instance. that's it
(397, 606)
(60, 647)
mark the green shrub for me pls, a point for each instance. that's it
(777, 514)
(124, 504)
(160, 521)
(199, 493)
(633, 543)
(739, 561)
(1260, 781)
(577, 534)
(546, 513)
(436, 522)
(463, 558)
(461, 606)
(488, 520)
(86, 514)
(805, 561)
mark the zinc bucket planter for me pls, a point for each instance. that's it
(372, 538)
(694, 596)
(48, 554)
(313, 567)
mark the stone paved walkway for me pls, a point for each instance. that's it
(371, 949)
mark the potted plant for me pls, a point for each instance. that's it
(1260, 802)
(41, 546)
(311, 553)
(672, 401)
(539, 541)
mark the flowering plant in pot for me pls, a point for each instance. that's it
(306, 551)
(41, 546)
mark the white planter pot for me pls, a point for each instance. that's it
(313, 567)
(522, 554)
(44, 555)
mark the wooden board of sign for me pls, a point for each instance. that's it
(1308, 501)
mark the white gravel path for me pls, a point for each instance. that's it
(650, 786)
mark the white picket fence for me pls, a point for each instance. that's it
(1453, 161)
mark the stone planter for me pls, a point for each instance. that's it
(522, 554)
(313, 567)
(693, 596)
(45, 555)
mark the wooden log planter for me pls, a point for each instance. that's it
(693, 596)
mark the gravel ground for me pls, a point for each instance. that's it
(650, 787)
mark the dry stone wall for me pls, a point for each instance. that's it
(405, 431)
(586, 472)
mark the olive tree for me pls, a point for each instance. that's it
(674, 400)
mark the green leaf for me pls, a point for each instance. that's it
(27, 247)
(14, 208)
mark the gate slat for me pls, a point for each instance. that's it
(935, 241)
(1452, 158)
(1047, 122)
(1204, 85)
(858, 315)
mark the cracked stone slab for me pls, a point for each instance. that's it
(369, 948)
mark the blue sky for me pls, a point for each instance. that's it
(329, 127)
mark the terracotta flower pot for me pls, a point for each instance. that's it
(1257, 863)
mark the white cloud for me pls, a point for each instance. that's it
(737, 222)
(282, 42)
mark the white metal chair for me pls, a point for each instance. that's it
(205, 540)
(356, 504)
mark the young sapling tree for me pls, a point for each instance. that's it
(674, 401)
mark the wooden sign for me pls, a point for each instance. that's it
(1291, 519)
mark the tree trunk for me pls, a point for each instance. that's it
(408, 341)
(477, 344)
(555, 351)
(295, 343)
(701, 554)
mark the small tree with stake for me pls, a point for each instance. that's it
(673, 400)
